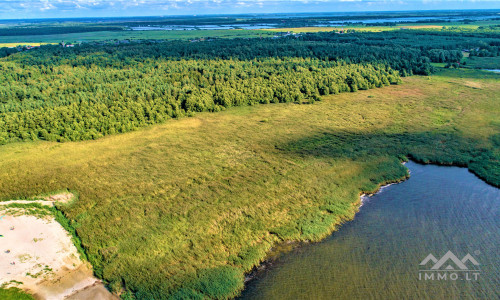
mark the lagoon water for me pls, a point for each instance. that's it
(377, 255)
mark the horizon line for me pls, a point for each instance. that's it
(259, 14)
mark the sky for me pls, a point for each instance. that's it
(23, 9)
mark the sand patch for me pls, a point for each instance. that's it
(40, 254)
(95, 291)
(473, 84)
(63, 197)
(42, 202)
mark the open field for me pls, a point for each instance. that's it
(133, 35)
(188, 206)
(22, 44)
(483, 62)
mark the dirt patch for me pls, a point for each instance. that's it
(96, 291)
(42, 202)
(63, 197)
(473, 84)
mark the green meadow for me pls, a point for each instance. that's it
(185, 208)
(483, 62)
(133, 35)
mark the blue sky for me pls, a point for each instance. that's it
(12, 9)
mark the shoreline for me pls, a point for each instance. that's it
(287, 246)
(38, 255)
(275, 252)
(364, 197)
(362, 242)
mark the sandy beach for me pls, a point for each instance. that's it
(38, 256)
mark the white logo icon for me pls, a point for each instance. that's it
(449, 256)
(449, 267)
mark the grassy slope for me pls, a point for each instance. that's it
(220, 189)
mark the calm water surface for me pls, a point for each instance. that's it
(377, 255)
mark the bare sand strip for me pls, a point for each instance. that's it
(42, 202)
(39, 253)
(48, 201)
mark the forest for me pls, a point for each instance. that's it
(68, 103)
(89, 91)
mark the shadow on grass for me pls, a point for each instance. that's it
(481, 158)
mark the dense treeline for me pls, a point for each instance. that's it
(85, 92)
(354, 48)
(66, 103)
(407, 61)
(409, 52)
(43, 30)
(424, 41)
(5, 51)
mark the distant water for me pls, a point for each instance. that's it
(377, 255)
(366, 20)
(203, 27)
(413, 19)
(493, 70)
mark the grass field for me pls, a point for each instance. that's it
(22, 44)
(483, 62)
(188, 206)
(133, 35)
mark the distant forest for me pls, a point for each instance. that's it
(68, 94)
(43, 30)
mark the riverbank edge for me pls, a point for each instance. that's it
(294, 244)
(284, 247)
